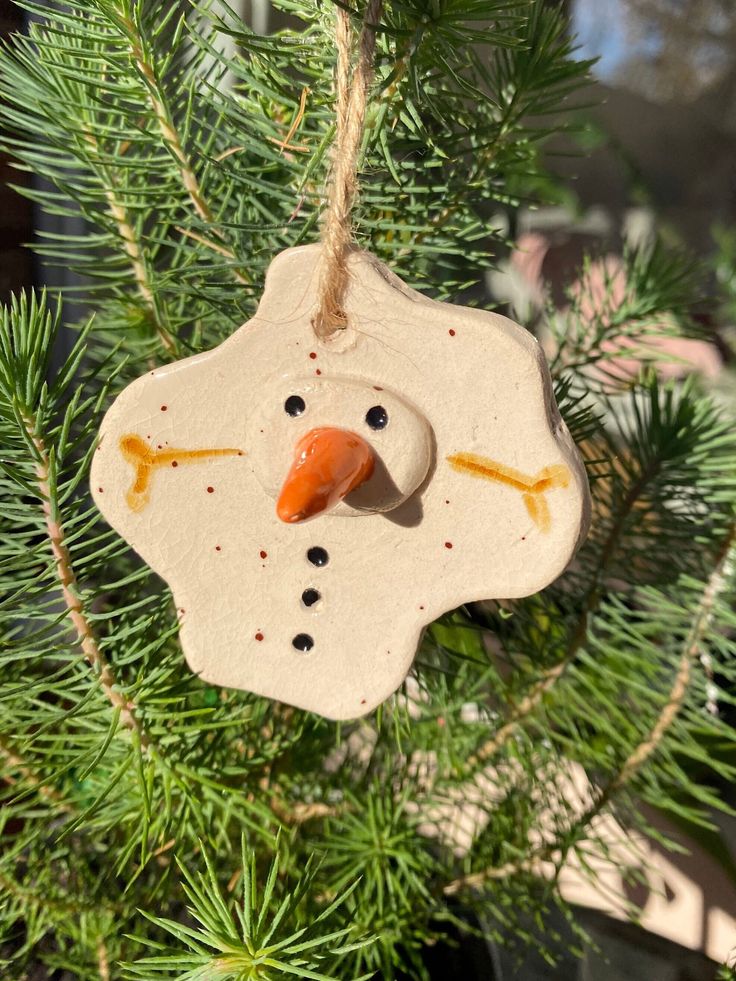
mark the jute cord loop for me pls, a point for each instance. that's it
(351, 95)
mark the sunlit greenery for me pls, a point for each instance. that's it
(156, 827)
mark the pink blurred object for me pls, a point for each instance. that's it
(687, 355)
(602, 291)
(526, 261)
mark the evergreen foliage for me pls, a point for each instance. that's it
(154, 826)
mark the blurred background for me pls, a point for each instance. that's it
(655, 154)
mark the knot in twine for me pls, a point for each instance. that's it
(351, 94)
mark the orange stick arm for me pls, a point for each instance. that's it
(145, 460)
(532, 488)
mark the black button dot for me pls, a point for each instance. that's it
(318, 556)
(294, 405)
(377, 417)
(310, 597)
(302, 642)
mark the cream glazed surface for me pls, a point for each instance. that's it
(475, 491)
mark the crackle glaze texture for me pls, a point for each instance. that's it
(478, 491)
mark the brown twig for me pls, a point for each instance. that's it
(474, 880)
(229, 152)
(103, 960)
(131, 244)
(223, 250)
(300, 813)
(714, 587)
(16, 762)
(163, 117)
(285, 144)
(70, 592)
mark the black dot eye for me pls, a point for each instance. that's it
(294, 405)
(318, 556)
(302, 642)
(377, 417)
(310, 597)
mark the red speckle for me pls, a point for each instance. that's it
(447, 502)
(100, 490)
(421, 607)
(259, 635)
(448, 544)
(174, 463)
(362, 701)
(210, 490)
(318, 372)
(451, 332)
(264, 555)
(164, 408)
(313, 355)
(182, 610)
(523, 538)
(377, 388)
(158, 446)
(218, 548)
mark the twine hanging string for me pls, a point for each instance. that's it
(351, 94)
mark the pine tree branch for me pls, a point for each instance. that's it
(526, 706)
(16, 762)
(715, 586)
(131, 245)
(65, 907)
(165, 122)
(70, 591)
(717, 582)
(550, 678)
(172, 138)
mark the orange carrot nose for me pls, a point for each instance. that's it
(329, 463)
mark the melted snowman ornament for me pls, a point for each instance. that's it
(313, 505)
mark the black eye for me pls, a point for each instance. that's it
(294, 405)
(377, 417)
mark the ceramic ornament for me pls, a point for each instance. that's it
(313, 505)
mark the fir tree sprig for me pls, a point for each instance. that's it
(262, 937)
(126, 782)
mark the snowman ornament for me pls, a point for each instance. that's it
(313, 505)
